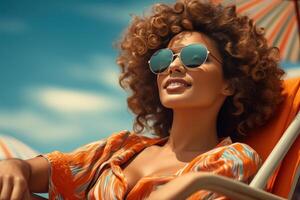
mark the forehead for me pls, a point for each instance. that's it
(191, 37)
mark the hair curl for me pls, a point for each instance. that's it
(250, 65)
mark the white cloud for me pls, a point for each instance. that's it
(61, 117)
(107, 12)
(115, 14)
(56, 130)
(66, 100)
(37, 127)
(13, 26)
(100, 69)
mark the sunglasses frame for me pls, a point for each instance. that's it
(178, 55)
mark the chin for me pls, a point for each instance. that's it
(175, 103)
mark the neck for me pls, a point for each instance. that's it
(193, 130)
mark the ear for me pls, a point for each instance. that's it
(227, 89)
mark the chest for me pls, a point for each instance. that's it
(150, 162)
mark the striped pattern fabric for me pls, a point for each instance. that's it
(94, 170)
(13, 148)
(279, 18)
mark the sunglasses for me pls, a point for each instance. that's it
(191, 56)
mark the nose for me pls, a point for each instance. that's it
(176, 66)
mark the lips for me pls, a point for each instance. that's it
(176, 81)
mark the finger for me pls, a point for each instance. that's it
(6, 188)
(27, 195)
(20, 186)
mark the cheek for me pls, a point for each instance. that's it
(206, 89)
(211, 78)
(159, 80)
(209, 83)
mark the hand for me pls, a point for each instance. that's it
(14, 176)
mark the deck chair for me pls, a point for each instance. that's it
(277, 178)
(280, 171)
(283, 180)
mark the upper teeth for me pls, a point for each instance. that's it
(176, 83)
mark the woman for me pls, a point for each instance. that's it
(197, 73)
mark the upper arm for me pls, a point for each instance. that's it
(71, 174)
(240, 162)
(237, 161)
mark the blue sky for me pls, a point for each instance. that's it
(59, 80)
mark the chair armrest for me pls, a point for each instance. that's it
(232, 189)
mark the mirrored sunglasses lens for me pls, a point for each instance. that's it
(193, 55)
(161, 60)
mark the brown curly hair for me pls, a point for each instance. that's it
(250, 65)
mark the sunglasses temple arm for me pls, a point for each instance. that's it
(217, 59)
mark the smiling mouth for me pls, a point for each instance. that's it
(174, 82)
(175, 86)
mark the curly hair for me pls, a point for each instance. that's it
(250, 65)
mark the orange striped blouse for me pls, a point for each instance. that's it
(93, 171)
